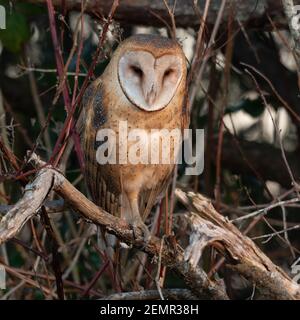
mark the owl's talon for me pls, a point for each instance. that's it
(145, 232)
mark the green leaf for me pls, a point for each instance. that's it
(16, 33)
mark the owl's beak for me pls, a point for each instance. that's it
(150, 88)
(150, 95)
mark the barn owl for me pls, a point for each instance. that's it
(144, 86)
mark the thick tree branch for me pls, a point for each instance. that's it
(146, 12)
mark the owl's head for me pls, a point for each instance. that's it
(150, 70)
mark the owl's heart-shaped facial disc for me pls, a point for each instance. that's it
(148, 82)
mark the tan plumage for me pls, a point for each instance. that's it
(128, 190)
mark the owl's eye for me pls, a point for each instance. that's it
(168, 72)
(137, 71)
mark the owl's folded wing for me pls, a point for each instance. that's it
(93, 117)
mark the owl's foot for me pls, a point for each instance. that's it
(146, 235)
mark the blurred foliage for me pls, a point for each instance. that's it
(254, 108)
(17, 30)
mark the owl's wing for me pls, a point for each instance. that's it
(104, 193)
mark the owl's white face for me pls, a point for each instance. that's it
(148, 82)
